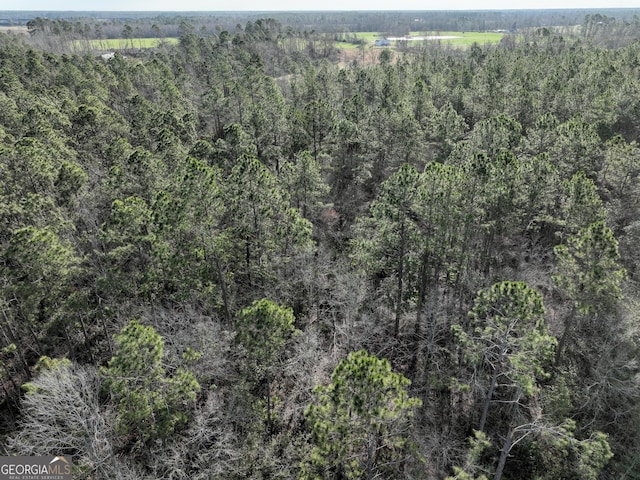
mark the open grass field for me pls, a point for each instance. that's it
(127, 43)
(458, 39)
(368, 38)
(22, 30)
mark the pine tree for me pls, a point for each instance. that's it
(360, 421)
(263, 329)
(150, 404)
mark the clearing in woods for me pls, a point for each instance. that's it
(361, 45)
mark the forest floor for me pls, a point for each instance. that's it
(365, 55)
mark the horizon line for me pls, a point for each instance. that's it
(331, 10)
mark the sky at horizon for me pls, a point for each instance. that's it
(288, 5)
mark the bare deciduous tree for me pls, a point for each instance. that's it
(61, 413)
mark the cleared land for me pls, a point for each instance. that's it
(461, 39)
(125, 43)
(469, 38)
(353, 41)
(15, 29)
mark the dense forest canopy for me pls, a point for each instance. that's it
(241, 256)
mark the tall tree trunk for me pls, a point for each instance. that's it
(223, 287)
(269, 420)
(508, 441)
(87, 342)
(506, 448)
(487, 401)
(568, 326)
(422, 288)
(396, 328)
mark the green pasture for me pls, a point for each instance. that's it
(124, 43)
(464, 39)
(368, 38)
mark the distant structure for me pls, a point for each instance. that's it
(384, 42)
